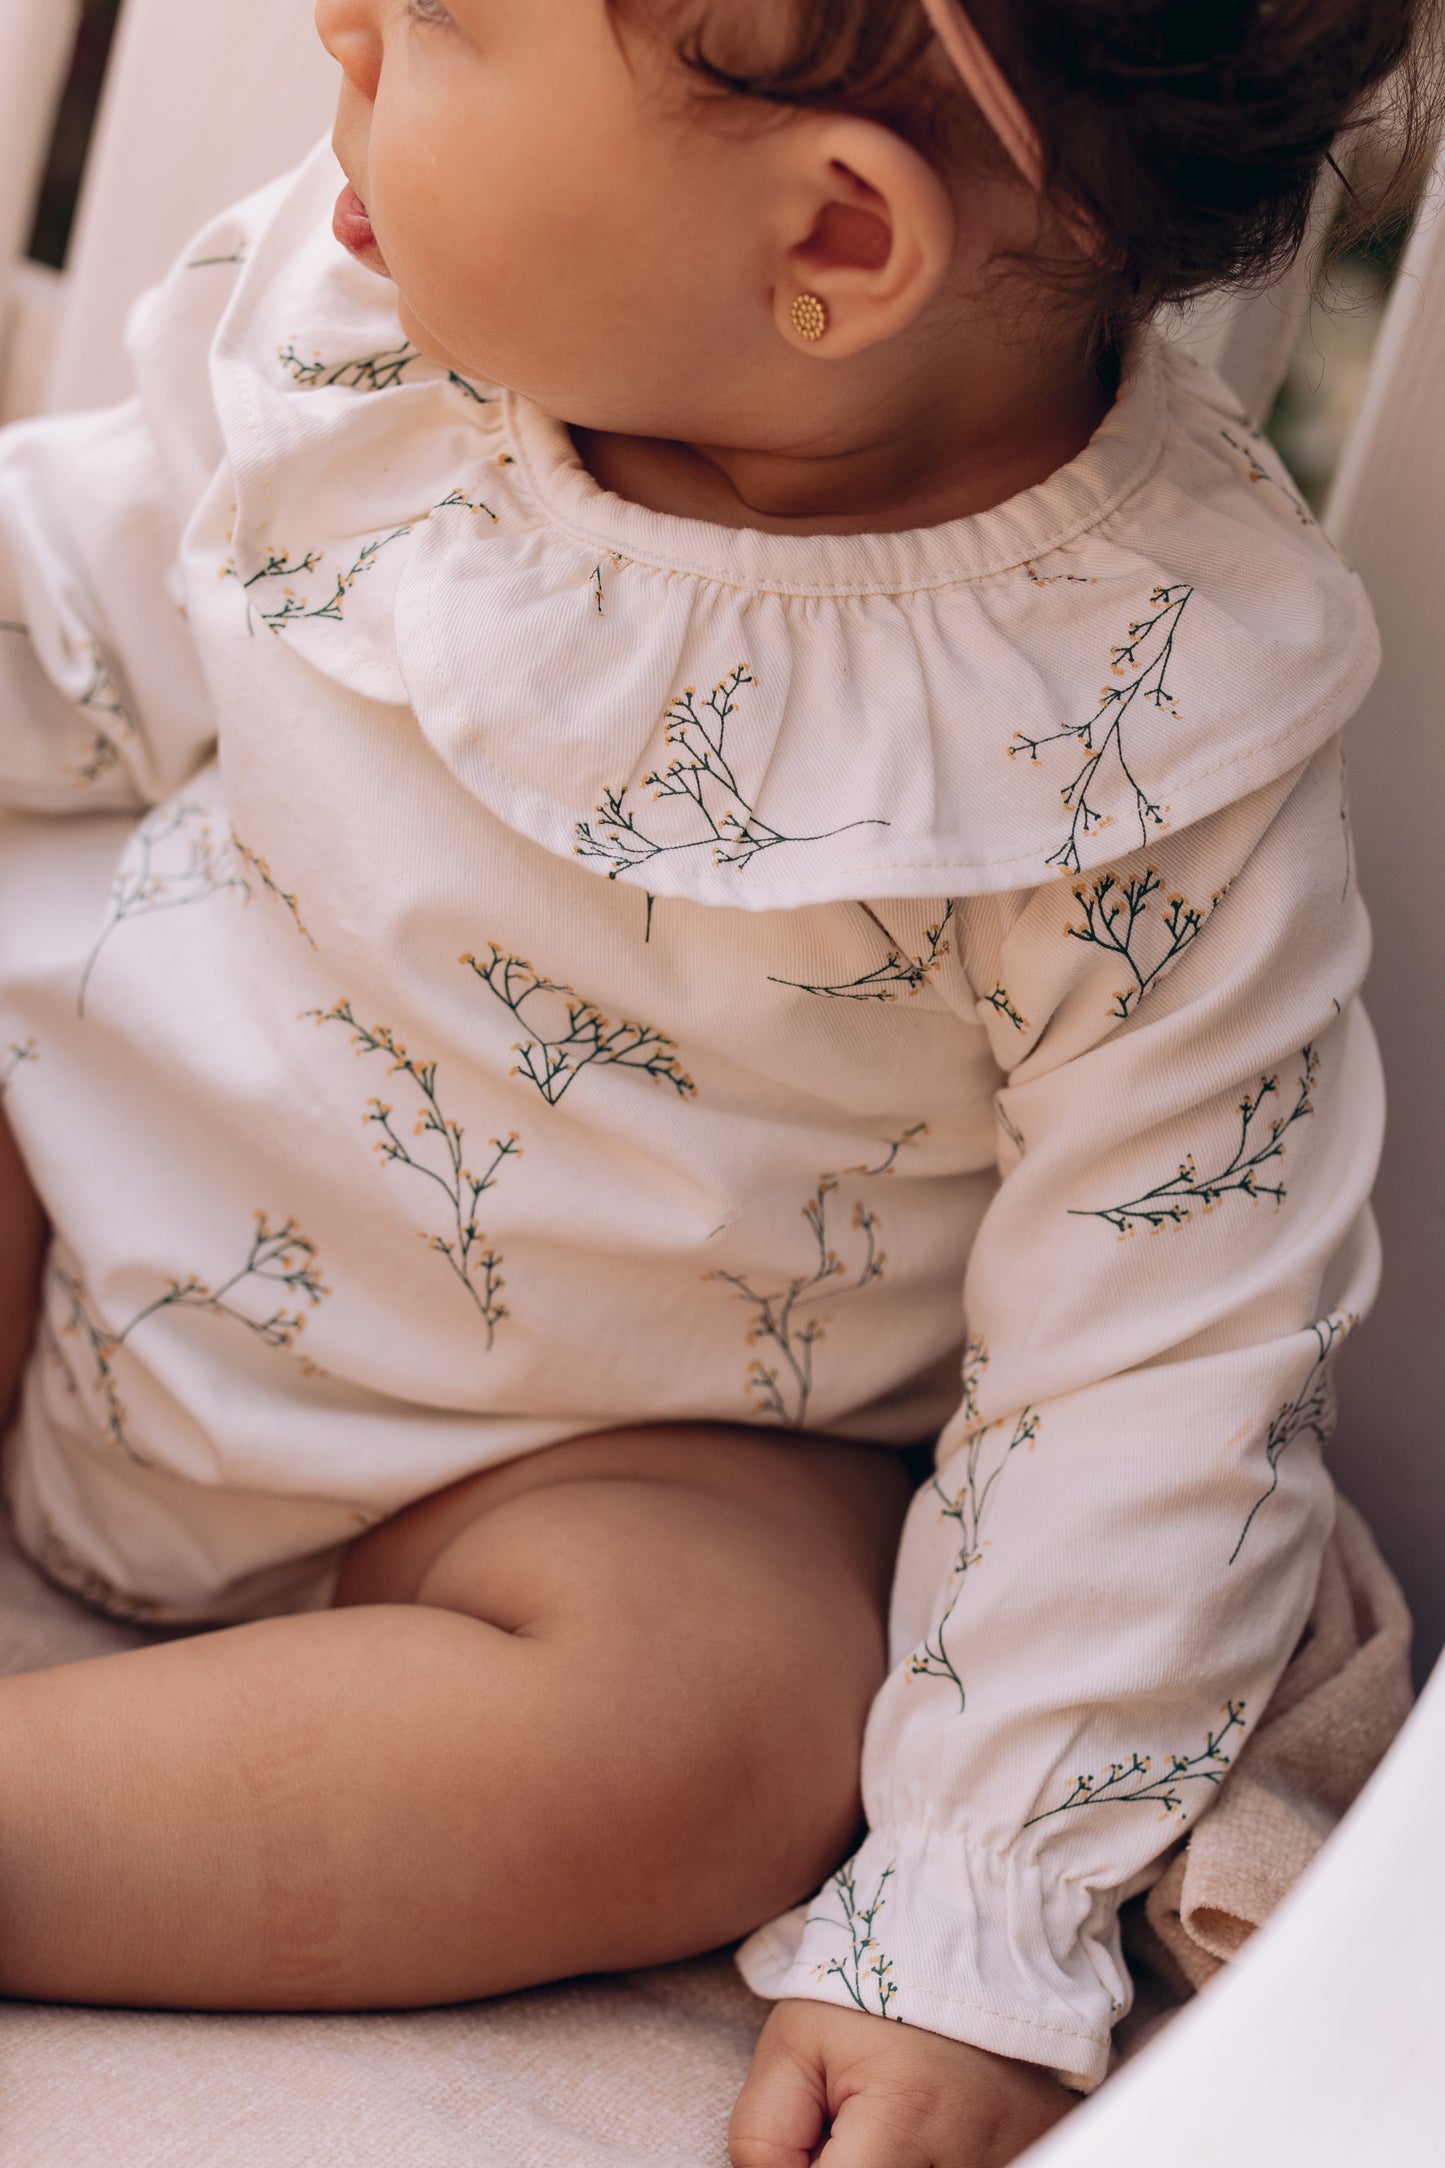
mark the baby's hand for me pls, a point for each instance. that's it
(896, 2097)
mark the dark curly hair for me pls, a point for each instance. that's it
(1194, 133)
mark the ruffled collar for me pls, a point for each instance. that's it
(1122, 452)
(756, 720)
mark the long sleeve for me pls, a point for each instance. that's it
(102, 700)
(1101, 1585)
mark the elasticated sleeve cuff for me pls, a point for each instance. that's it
(931, 1930)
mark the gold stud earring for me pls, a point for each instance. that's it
(810, 317)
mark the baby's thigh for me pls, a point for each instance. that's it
(22, 1245)
(707, 1610)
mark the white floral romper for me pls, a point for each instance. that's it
(481, 962)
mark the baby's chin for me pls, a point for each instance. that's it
(429, 346)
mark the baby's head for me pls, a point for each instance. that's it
(612, 206)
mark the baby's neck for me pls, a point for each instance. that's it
(941, 459)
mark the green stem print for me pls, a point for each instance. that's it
(1171, 1203)
(1001, 1001)
(368, 372)
(210, 263)
(967, 1508)
(893, 1154)
(581, 1037)
(782, 1381)
(13, 1060)
(1311, 1412)
(457, 500)
(1134, 1783)
(1115, 916)
(279, 1257)
(174, 862)
(975, 1363)
(1009, 1127)
(1143, 660)
(866, 1972)
(896, 971)
(725, 823)
(270, 884)
(296, 607)
(597, 580)
(464, 1246)
(68, 1570)
(101, 697)
(1056, 579)
(1257, 473)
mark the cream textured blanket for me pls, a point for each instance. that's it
(638, 2071)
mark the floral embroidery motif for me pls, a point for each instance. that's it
(1171, 1203)
(1147, 653)
(1346, 832)
(1134, 1782)
(1311, 1412)
(269, 883)
(13, 1060)
(967, 1508)
(726, 824)
(613, 563)
(68, 1570)
(590, 1040)
(1115, 912)
(1010, 1130)
(1056, 579)
(458, 501)
(174, 862)
(975, 1362)
(782, 1387)
(866, 1973)
(295, 607)
(101, 697)
(1258, 473)
(278, 1257)
(1001, 1001)
(369, 372)
(464, 1246)
(897, 970)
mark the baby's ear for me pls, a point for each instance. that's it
(866, 227)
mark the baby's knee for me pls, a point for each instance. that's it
(704, 1830)
(725, 1762)
(703, 1667)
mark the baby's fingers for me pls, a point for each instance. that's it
(870, 2131)
(780, 2112)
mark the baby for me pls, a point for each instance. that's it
(715, 850)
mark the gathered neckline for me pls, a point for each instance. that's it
(1120, 455)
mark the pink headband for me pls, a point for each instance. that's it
(989, 88)
(1002, 108)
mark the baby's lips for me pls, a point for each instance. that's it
(351, 225)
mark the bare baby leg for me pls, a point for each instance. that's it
(22, 1249)
(599, 1708)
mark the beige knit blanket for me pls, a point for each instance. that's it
(637, 2071)
(1344, 1695)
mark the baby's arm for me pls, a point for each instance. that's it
(102, 700)
(1100, 1589)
